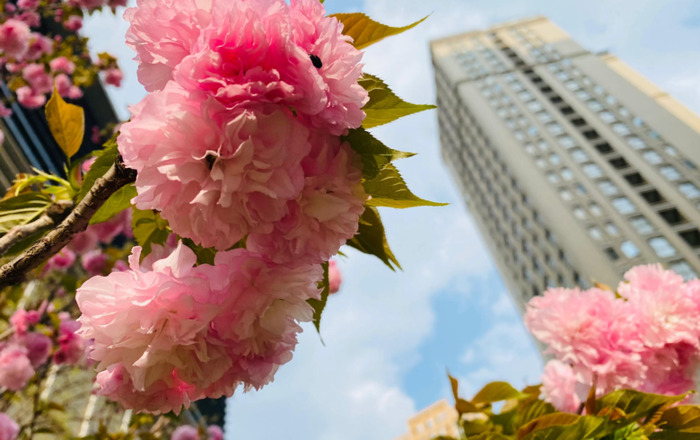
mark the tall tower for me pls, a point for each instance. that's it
(574, 167)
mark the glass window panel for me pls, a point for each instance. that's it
(534, 106)
(583, 95)
(610, 252)
(595, 105)
(525, 95)
(689, 190)
(608, 188)
(621, 129)
(540, 162)
(555, 128)
(610, 100)
(683, 269)
(554, 159)
(599, 90)
(566, 195)
(572, 85)
(607, 116)
(652, 157)
(543, 145)
(595, 209)
(612, 230)
(580, 213)
(670, 150)
(629, 249)
(567, 174)
(592, 170)
(636, 143)
(641, 225)
(662, 247)
(579, 155)
(552, 177)
(623, 205)
(581, 190)
(530, 149)
(544, 116)
(566, 141)
(595, 233)
(670, 172)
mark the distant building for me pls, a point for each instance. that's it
(440, 418)
(574, 167)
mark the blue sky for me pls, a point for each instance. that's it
(389, 337)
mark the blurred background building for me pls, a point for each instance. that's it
(438, 419)
(574, 167)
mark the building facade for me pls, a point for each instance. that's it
(574, 167)
(438, 419)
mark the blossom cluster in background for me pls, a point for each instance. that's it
(645, 336)
(239, 148)
(34, 62)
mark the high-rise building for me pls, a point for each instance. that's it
(574, 167)
(438, 419)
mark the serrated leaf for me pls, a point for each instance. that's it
(383, 105)
(104, 160)
(496, 392)
(389, 189)
(22, 209)
(374, 153)
(319, 305)
(365, 31)
(66, 122)
(115, 204)
(149, 228)
(370, 238)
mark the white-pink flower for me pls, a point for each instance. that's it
(559, 386)
(14, 38)
(15, 367)
(8, 428)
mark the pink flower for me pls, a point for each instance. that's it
(178, 333)
(162, 34)
(71, 346)
(326, 214)
(214, 174)
(38, 79)
(63, 84)
(38, 45)
(14, 38)
(22, 319)
(29, 98)
(32, 18)
(38, 347)
(4, 111)
(62, 261)
(559, 386)
(94, 262)
(113, 76)
(185, 432)
(74, 23)
(215, 432)
(334, 277)
(28, 4)
(84, 241)
(15, 367)
(8, 428)
(62, 65)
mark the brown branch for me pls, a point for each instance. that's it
(54, 214)
(115, 178)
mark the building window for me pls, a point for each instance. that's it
(595, 105)
(670, 151)
(610, 252)
(683, 269)
(540, 162)
(543, 146)
(595, 209)
(641, 225)
(595, 233)
(530, 149)
(566, 195)
(580, 213)
(629, 249)
(636, 143)
(592, 170)
(623, 205)
(652, 157)
(670, 172)
(534, 106)
(555, 128)
(567, 174)
(581, 190)
(689, 190)
(612, 230)
(607, 187)
(579, 155)
(662, 247)
(566, 141)
(552, 177)
(607, 116)
(544, 116)
(583, 95)
(554, 159)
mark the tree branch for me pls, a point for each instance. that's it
(54, 214)
(77, 221)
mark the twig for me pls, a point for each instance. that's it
(115, 178)
(54, 214)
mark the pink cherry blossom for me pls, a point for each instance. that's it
(214, 174)
(113, 76)
(29, 98)
(559, 386)
(162, 33)
(71, 346)
(62, 65)
(185, 432)
(4, 111)
(22, 319)
(61, 261)
(94, 262)
(335, 278)
(38, 79)
(8, 428)
(27, 4)
(14, 38)
(215, 432)
(74, 23)
(326, 214)
(38, 45)
(38, 347)
(15, 367)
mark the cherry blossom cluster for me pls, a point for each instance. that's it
(33, 63)
(239, 148)
(27, 350)
(645, 337)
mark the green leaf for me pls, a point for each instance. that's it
(370, 238)
(104, 161)
(461, 405)
(66, 122)
(389, 189)
(22, 209)
(562, 426)
(319, 305)
(490, 436)
(115, 204)
(374, 153)
(636, 404)
(496, 392)
(681, 418)
(383, 105)
(204, 255)
(149, 228)
(365, 31)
